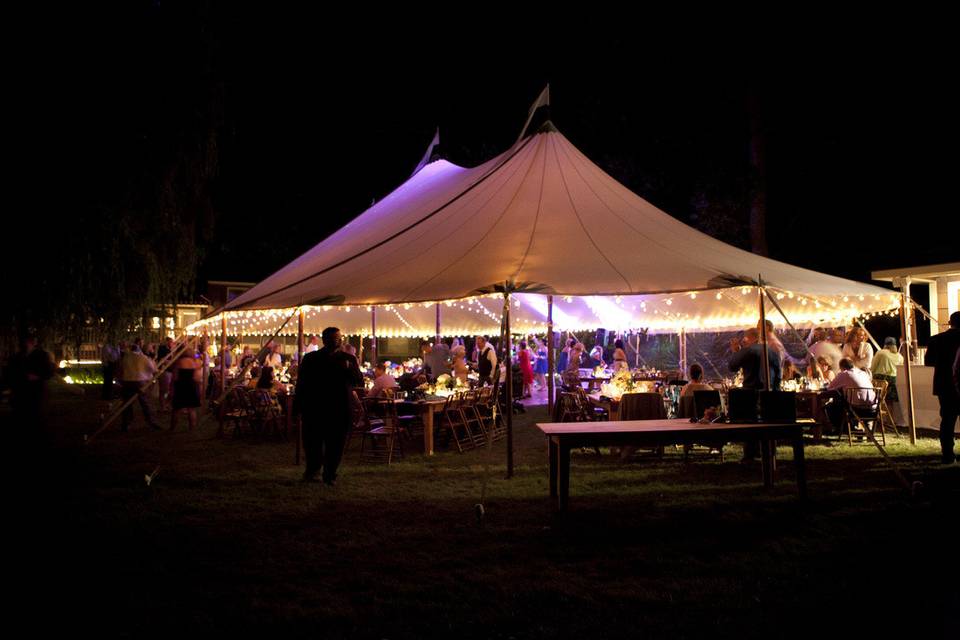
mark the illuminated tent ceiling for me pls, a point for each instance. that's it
(539, 218)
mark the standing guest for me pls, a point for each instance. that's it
(314, 345)
(571, 374)
(274, 359)
(942, 355)
(748, 356)
(596, 355)
(27, 375)
(246, 357)
(620, 357)
(486, 360)
(205, 378)
(823, 347)
(166, 378)
(186, 387)
(136, 369)
(437, 359)
(381, 382)
(323, 399)
(884, 367)
(956, 372)
(227, 356)
(109, 359)
(773, 342)
(564, 356)
(540, 363)
(858, 349)
(459, 354)
(526, 368)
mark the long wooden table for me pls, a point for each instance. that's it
(564, 436)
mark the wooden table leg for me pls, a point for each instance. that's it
(552, 454)
(798, 462)
(766, 464)
(428, 431)
(563, 476)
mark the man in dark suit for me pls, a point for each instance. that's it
(324, 384)
(941, 354)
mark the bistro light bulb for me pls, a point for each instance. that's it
(719, 296)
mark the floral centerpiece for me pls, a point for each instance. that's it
(599, 371)
(622, 382)
(445, 385)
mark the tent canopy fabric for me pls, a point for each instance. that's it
(539, 218)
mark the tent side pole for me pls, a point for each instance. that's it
(223, 352)
(300, 337)
(374, 354)
(508, 364)
(683, 352)
(550, 357)
(437, 340)
(765, 365)
(908, 356)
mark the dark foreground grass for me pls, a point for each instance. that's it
(226, 541)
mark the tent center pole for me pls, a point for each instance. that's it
(550, 358)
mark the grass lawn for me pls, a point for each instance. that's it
(227, 541)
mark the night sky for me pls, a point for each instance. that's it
(317, 116)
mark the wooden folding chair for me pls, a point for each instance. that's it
(385, 441)
(862, 410)
(886, 416)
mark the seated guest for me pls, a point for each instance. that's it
(267, 381)
(381, 382)
(822, 346)
(850, 377)
(410, 380)
(246, 358)
(254, 377)
(789, 370)
(822, 370)
(696, 382)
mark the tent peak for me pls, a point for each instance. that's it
(548, 127)
(432, 154)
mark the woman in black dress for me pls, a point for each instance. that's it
(186, 388)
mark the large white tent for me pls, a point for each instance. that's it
(540, 218)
